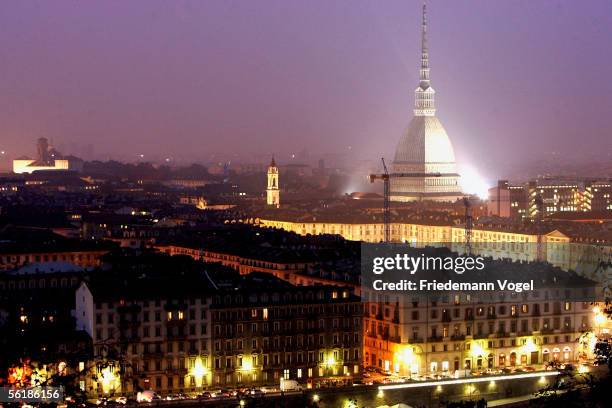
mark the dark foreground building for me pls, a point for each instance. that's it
(179, 325)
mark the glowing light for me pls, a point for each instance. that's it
(542, 380)
(247, 364)
(439, 388)
(198, 371)
(315, 398)
(380, 393)
(242, 403)
(331, 360)
(599, 316)
(583, 369)
(108, 379)
(492, 384)
(529, 346)
(467, 380)
(407, 358)
(473, 183)
(476, 350)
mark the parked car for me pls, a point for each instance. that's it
(205, 395)
(289, 385)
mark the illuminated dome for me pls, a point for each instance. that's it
(424, 142)
(424, 164)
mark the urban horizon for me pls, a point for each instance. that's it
(305, 204)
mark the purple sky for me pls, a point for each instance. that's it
(189, 78)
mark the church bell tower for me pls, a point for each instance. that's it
(272, 192)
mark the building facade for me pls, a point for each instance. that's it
(424, 337)
(545, 197)
(308, 334)
(495, 240)
(143, 341)
(48, 159)
(210, 338)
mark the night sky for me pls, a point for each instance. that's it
(514, 79)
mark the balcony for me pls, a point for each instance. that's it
(395, 339)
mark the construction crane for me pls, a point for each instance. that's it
(385, 177)
(539, 203)
(468, 225)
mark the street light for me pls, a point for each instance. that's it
(599, 318)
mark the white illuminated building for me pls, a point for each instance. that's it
(272, 191)
(424, 165)
(48, 159)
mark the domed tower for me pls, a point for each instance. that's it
(272, 192)
(424, 164)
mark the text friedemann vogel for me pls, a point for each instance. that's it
(449, 285)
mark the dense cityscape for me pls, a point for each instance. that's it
(241, 283)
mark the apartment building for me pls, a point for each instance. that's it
(545, 197)
(461, 331)
(569, 248)
(185, 332)
(275, 330)
(147, 334)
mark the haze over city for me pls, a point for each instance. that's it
(305, 203)
(193, 79)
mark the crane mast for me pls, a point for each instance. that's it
(386, 199)
(386, 179)
(468, 225)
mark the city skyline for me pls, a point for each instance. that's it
(318, 204)
(194, 78)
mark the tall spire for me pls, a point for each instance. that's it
(424, 94)
(424, 74)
